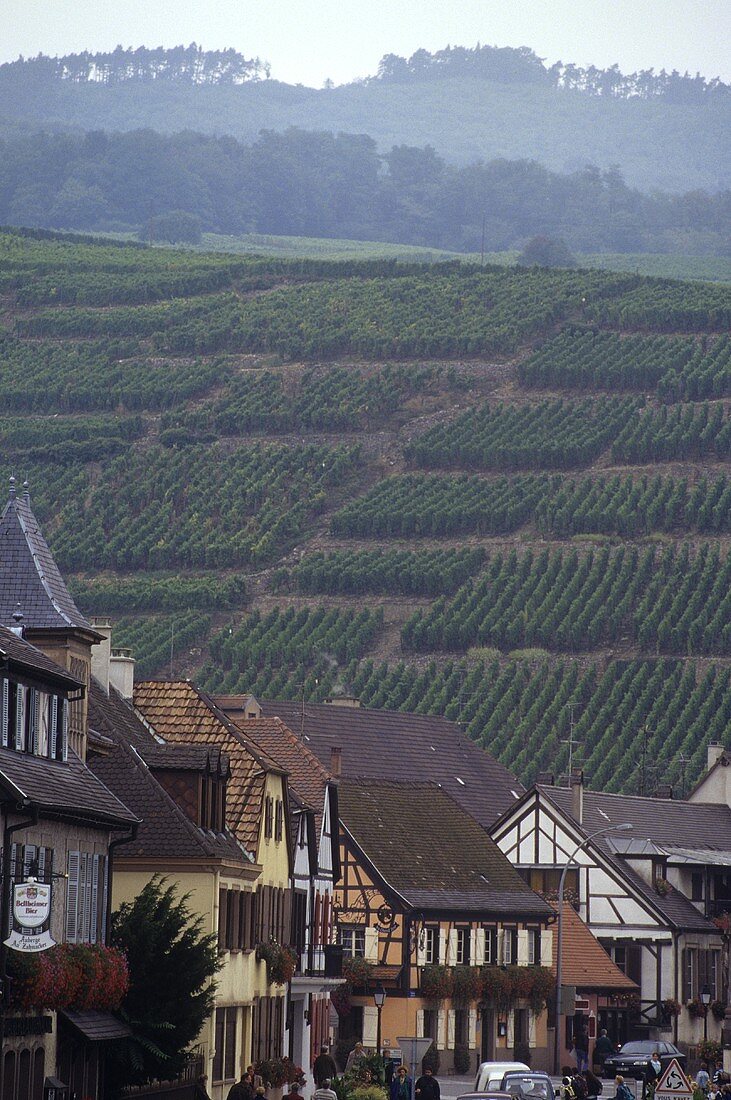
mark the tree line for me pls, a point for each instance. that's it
(182, 64)
(318, 184)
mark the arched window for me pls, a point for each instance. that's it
(9, 1076)
(39, 1073)
(23, 1074)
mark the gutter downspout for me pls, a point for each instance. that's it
(4, 920)
(110, 863)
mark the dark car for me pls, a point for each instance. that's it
(527, 1086)
(633, 1059)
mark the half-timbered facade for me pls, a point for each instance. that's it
(629, 886)
(424, 891)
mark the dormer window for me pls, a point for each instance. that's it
(33, 721)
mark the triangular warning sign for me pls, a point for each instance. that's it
(673, 1081)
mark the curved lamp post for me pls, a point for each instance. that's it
(559, 943)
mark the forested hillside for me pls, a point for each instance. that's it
(663, 130)
(499, 495)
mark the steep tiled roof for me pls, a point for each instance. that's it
(178, 711)
(584, 962)
(180, 757)
(31, 582)
(308, 777)
(165, 831)
(22, 653)
(66, 787)
(432, 853)
(376, 743)
(665, 823)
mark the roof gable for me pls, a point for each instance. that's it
(32, 584)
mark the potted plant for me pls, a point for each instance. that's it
(466, 984)
(436, 983)
(281, 961)
(718, 1008)
(357, 970)
(696, 1009)
(670, 1008)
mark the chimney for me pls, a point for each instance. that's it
(545, 779)
(344, 701)
(715, 752)
(576, 782)
(663, 790)
(101, 652)
(122, 672)
(336, 762)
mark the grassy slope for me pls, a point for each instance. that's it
(381, 438)
(675, 148)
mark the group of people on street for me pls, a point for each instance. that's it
(712, 1083)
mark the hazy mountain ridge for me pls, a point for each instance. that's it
(656, 141)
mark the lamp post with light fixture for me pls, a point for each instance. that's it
(705, 1001)
(559, 939)
(379, 998)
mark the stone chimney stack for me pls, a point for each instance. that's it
(576, 782)
(122, 672)
(336, 762)
(101, 652)
(715, 752)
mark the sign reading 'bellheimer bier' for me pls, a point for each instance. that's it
(31, 911)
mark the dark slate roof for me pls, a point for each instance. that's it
(388, 744)
(31, 582)
(665, 823)
(165, 832)
(197, 758)
(67, 787)
(430, 852)
(33, 661)
(97, 1027)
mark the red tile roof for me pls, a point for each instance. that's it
(584, 961)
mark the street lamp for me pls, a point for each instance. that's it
(559, 942)
(379, 998)
(705, 1001)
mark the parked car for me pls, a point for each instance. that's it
(633, 1058)
(486, 1095)
(528, 1086)
(490, 1074)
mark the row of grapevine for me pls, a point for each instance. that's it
(394, 572)
(324, 400)
(156, 640)
(68, 377)
(197, 507)
(676, 433)
(157, 592)
(660, 305)
(550, 435)
(565, 600)
(432, 504)
(679, 367)
(311, 642)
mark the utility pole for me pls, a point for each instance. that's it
(571, 742)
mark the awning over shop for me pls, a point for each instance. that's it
(97, 1027)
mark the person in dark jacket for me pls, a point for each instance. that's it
(593, 1084)
(200, 1092)
(242, 1090)
(427, 1086)
(401, 1085)
(603, 1048)
(324, 1068)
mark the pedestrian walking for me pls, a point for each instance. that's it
(243, 1089)
(401, 1084)
(581, 1049)
(602, 1049)
(355, 1057)
(325, 1091)
(624, 1092)
(427, 1086)
(324, 1068)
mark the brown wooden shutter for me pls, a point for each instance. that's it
(222, 919)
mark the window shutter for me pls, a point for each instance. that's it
(105, 899)
(85, 881)
(370, 1025)
(451, 1028)
(421, 953)
(33, 721)
(441, 1029)
(64, 730)
(54, 726)
(531, 1029)
(452, 947)
(472, 1026)
(500, 945)
(419, 1023)
(94, 930)
(511, 1030)
(4, 708)
(479, 947)
(547, 947)
(19, 716)
(442, 946)
(371, 945)
(522, 947)
(72, 896)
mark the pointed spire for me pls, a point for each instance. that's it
(26, 491)
(12, 487)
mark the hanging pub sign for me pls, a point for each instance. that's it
(31, 917)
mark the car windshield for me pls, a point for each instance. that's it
(528, 1087)
(638, 1048)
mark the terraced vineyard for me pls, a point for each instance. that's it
(499, 495)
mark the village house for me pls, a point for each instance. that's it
(425, 902)
(59, 821)
(639, 874)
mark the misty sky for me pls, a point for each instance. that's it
(307, 41)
